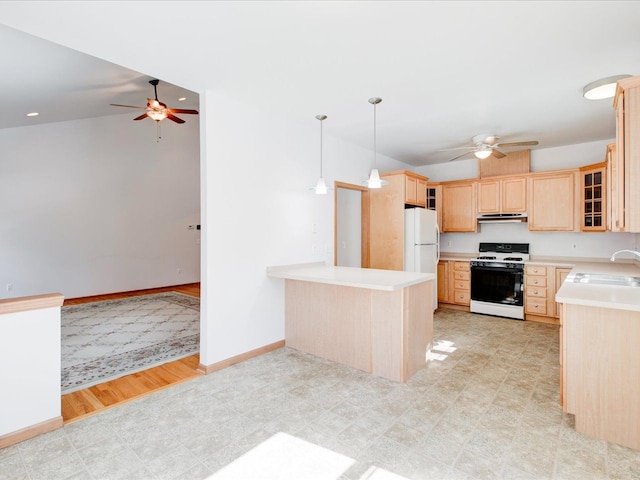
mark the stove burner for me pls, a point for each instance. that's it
(513, 259)
(486, 258)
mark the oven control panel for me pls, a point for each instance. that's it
(497, 264)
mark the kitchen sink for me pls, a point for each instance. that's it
(607, 279)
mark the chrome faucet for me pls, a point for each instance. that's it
(613, 257)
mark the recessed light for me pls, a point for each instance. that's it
(32, 114)
(182, 99)
(603, 88)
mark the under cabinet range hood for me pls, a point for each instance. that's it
(502, 218)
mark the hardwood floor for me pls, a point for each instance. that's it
(83, 403)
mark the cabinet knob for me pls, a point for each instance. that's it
(535, 292)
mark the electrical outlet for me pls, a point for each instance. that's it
(178, 270)
(449, 243)
(314, 249)
(574, 245)
(9, 287)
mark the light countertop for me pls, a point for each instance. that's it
(370, 278)
(605, 296)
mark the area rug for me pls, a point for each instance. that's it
(102, 341)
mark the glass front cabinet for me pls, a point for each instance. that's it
(594, 208)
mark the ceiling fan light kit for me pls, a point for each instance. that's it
(158, 111)
(374, 180)
(486, 145)
(603, 88)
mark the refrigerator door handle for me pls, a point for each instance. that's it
(437, 243)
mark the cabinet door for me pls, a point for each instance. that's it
(443, 282)
(459, 208)
(594, 202)
(615, 191)
(421, 192)
(410, 190)
(552, 203)
(489, 196)
(514, 195)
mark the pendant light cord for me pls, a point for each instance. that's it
(321, 148)
(374, 135)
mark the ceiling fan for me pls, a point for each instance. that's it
(157, 110)
(486, 145)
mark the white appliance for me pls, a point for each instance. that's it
(422, 244)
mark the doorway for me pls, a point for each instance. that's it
(351, 225)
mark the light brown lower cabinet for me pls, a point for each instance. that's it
(454, 282)
(541, 283)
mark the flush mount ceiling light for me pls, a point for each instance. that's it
(32, 114)
(374, 180)
(603, 88)
(321, 186)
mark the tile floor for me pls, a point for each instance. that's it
(487, 408)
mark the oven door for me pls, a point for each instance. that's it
(497, 285)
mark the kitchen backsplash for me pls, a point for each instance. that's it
(592, 244)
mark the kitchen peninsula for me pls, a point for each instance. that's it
(599, 353)
(378, 321)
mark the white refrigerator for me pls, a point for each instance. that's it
(422, 244)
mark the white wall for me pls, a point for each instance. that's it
(593, 245)
(349, 225)
(259, 212)
(98, 205)
(30, 392)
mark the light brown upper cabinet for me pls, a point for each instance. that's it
(506, 195)
(459, 207)
(552, 201)
(627, 105)
(415, 189)
(593, 199)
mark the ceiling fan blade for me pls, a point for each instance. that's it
(456, 148)
(141, 117)
(459, 156)
(128, 106)
(497, 153)
(517, 144)
(182, 110)
(174, 118)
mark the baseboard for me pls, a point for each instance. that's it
(214, 367)
(30, 432)
(540, 319)
(453, 306)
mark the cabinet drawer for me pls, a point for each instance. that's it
(535, 270)
(536, 291)
(462, 297)
(532, 281)
(536, 306)
(463, 266)
(462, 285)
(461, 275)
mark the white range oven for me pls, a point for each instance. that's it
(497, 279)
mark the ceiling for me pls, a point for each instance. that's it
(446, 71)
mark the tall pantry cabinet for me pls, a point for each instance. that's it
(387, 217)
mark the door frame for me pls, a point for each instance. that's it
(364, 220)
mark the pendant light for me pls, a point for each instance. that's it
(374, 180)
(321, 186)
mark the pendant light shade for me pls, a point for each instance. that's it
(321, 186)
(374, 180)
